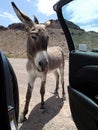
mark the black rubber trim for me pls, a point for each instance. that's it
(58, 8)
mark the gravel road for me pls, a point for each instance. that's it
(57, 115)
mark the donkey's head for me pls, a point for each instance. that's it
(37, 40)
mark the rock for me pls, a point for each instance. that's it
(17, 26)
(2, 28)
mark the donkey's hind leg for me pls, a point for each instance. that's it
(62, 81)
(57, 81)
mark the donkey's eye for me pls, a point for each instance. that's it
(47, 37)
(33, 29)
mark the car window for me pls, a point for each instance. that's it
(82, 20)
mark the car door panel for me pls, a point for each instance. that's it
(84, 110)
(83, 73)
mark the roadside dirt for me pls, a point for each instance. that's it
(57, 115)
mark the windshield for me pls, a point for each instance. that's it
(82, 20)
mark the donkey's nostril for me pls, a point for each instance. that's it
(46, 62)
(43, 63)
(40, 63)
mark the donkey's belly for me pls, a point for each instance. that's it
(55, 58)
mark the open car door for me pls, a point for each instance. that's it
(9, 95)
(79, 21)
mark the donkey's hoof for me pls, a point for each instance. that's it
(63, 97)
(42, 109)
(55, 93)
(22, 118)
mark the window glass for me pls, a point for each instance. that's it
(82, 20)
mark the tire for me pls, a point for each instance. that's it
(9, 96)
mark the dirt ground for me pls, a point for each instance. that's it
(57, 114)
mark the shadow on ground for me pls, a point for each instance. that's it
(38, 119)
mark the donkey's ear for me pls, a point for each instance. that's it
(25, 19)
(36, 20)
(48, 23)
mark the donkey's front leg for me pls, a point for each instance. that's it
(42, 92)
(28, 97)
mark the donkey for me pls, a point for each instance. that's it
(41, 59)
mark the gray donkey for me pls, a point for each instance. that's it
(41, 59)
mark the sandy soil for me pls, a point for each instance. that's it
(57, 115)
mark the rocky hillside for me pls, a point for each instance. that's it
(80, 36)
(13, 39)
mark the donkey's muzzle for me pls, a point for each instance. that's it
(43, 65)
